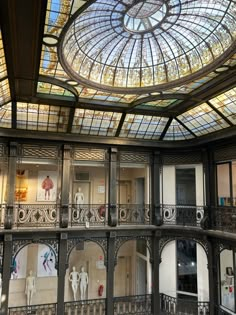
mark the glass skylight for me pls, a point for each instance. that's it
(177, 132)
(5, 115)
(42, 117)
(121, 45)
(226, 104)
(143, 127)
(202, 120)
(91, 122)
(48, 88)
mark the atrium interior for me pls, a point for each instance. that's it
(117, 157)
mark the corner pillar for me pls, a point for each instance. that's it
(112, 199)
(62, 266)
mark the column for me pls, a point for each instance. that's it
(112, 193)
(155, 273)
(210, 189)
(212, 272)
(110, 273)
(156, 189)
(9, 214)
(6, 272)
(65, 187)
(62, 266)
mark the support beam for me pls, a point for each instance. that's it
(9, 215)
(65, 187)
(62, 266)
(212, 273)
(112, 211)
(155, 188)
(155, 260)
(6, 272)
(110, 273)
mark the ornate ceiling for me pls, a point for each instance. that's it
(156, 71)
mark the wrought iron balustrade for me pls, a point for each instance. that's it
(171, 305)
(133, 214)
(42, 309)
(36, 215)
(88, 214)
(86, 307)
(133, 305)
(224, 219)
(182, 214)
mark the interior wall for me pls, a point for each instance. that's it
(46, 287)
(169, 183)
(92, 259)
(168, 190)
(202, 274)
(97, 180)
(168, 270)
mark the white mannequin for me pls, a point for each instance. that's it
(79, 198)
(83, 279)
(74, 279)
(30, 287)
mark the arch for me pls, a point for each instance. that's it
(122, 240)
(72, 243)
(19, 246)
(165, 241)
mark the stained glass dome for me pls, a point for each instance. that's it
(127, 45)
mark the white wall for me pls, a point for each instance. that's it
(199, 185)
(168, 269)
(169, 185)
(202, 275)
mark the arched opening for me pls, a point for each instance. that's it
(33, 277)
(85, 279)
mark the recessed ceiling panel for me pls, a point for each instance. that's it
(48, 88)
(142, 45)
(98, 123)
(5, 116)
(226, 104)
(177, 132)
(42, 117)
(202, 120)
(143, 127)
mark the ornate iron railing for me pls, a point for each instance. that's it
(89, 214)
(182, 215)
(133, 214)
(86, 307)
(133, 305)
(36, 215)
(43, 309)
(224, 218)
(171, 305)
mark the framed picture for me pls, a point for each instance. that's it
(46, 262)
(21, 186)
(47, 186)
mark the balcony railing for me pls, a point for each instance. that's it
(171, 305)
(86, 307)
(182, 214)
(88, 215)
(224, 219)
(133, 214)
(132, 305)
(42, 309)
(36, 215)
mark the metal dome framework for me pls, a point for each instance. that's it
(146, 46)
